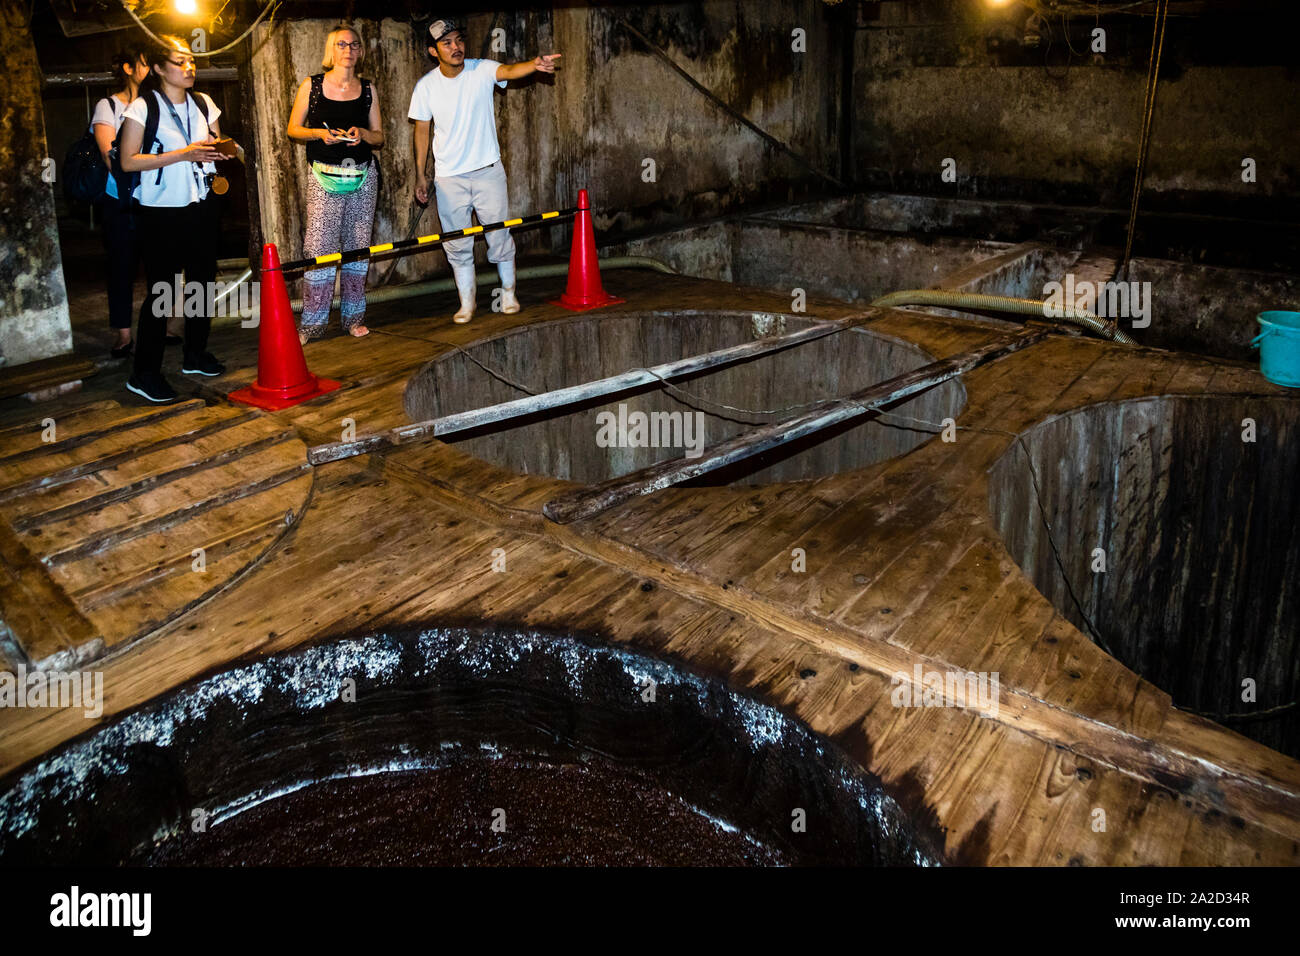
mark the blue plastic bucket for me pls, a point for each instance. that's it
(1279, 347)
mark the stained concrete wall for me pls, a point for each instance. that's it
(33, 300)
(853, 265)
(1209, 310)
(945, 79)
(612, 106)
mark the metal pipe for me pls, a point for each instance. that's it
(218, 74)
(1001, 303)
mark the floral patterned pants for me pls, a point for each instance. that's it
(337, 222)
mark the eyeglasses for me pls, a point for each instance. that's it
(354, 46)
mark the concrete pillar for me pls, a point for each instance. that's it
(33, 298)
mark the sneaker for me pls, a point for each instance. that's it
(156, 390)
(205, 364)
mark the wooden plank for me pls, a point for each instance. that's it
(607, 494)
(119, 448)
(31, 419)
(323, 419)
(148, 555)
(882, 493)
(176, 559)
(173, 588)
(70, 545)
(88, 431)
(48, 490)
(44, 373)
(41, 617)
(1244, 378)
(1191, 378)
(112, 495)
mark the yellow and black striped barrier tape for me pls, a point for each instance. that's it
(355, 255)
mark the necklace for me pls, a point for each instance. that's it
(343, 88)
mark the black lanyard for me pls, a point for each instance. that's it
(185, 131)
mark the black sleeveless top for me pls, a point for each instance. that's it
(337, 114)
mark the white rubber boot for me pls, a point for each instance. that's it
(509, 304)
(467, 286)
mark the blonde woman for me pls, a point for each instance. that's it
(336, 113)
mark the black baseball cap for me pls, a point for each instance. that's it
(440, 28)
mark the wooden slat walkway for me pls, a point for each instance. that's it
(903, 567)
(129, 517)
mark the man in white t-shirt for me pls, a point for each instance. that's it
(468, 177)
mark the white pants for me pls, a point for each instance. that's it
(482, 191)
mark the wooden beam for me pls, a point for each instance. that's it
(44, 373)
(108, 496)
(64, 475)
(133, 419)
(572, 394)
(589, 501)
(46, 623)
(137, 529)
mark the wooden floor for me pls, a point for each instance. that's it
(903, 567)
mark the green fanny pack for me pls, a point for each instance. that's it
(339, 179)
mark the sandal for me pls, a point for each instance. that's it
(310, 333)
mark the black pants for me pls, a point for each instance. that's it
(122, 246)
(176, 240)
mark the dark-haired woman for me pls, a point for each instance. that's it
(130, 66)
(337, 114)
(177, 219)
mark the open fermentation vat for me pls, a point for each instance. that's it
(1196, 525)
(405, 748)
(568, 442)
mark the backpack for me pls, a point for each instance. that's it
(128, 182)
(84, 172)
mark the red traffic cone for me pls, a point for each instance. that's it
(584, 290)
(282, 376)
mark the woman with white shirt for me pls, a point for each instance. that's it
(177, 220)
(130, 66)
